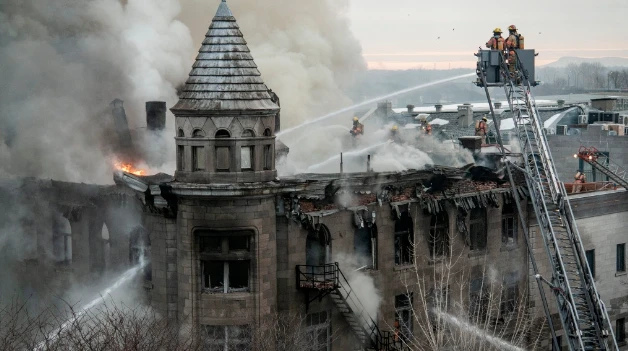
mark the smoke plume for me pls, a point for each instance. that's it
(63, 61)
(304, 49)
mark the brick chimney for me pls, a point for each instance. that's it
(465, 115)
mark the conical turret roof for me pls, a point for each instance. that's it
(224, 76)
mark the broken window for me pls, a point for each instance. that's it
(246, 158)
(222, 159)
(438, 241)
(181, 157)
(198, 158)
(509, 224)
(222, 133)
(317, 249)
(510, 292)
(404, 315)
(404, 239)
(227, 338)
(225, 261)
(268, 157)
(318, 330)
(365, 246)
(61, 239)
(478, 300)
(477, 229)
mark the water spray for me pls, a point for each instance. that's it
(126, 276)
(370, 101)
(455, 321)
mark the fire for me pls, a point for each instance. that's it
(128, 168)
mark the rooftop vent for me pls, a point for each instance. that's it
(465, 115)
(438, 107)
(410, 108)
(498, 105)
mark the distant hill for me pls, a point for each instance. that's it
(605, 61)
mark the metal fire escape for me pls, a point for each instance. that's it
(582, 313)
(329, 280)
(601, 162)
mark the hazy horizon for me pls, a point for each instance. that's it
(410, 35)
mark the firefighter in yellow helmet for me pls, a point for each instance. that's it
(513, 42)
(497, 41)
(394, 133)
(482, 129)
(358, 128)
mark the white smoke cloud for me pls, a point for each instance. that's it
(304, 49)
(361, 284)
(64, 61)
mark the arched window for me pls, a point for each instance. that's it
(268, 132)
(404, 239)
(180, 133)
(365, 246)
(223, 133)
(139, 250)
(248, 133)
(509, 224)
(438, 241)
(61, 239)
(198, 133)
(317, 248)
(477, 229)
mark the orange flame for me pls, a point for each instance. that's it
(128, 168)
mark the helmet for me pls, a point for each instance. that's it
(394, 128)
(497, 30)
(423, 119)
(484, 118)
(355, 119)
(512, 27)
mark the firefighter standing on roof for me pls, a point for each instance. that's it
(513, 42)
(482, 129)
(579, 179)
(426, 127)
(497, 41)
(358, 128)
(394, 134)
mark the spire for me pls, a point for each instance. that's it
(224, 76)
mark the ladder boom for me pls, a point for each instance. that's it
(600, 162)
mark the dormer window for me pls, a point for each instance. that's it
(248, 133)
(222, 133)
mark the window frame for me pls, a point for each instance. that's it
(213, 343)
(224, 256)
(475, 234)
(316, 330)
(196, 160)
(620, 259)
(620, 333)
(404, 240)
(438, 242)
(510, 224)
(404, 310)
(590, 257)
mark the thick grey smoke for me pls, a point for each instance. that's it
(63, 61)
(304, 49)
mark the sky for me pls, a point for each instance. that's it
(405, 34)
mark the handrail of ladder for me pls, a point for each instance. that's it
(563, 201)
(367, 322)
(537, 188)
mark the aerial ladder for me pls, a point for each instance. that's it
(582, 313)
(600, 162)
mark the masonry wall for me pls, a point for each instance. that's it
(563, 148)
(241, 308)
(390, 279)
(602, 220)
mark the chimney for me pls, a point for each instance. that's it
(384, 109)
(498, 105)
(121, 124)
(471, 143)
(438, 107)
(410, 108)
(156, 115)
(465, 115)
(561, 103)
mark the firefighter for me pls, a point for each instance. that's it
(497, 41)
(358, 128)
(426, 127)
(394, 133)
(482, 129)
(513, 42)
(579, 179)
